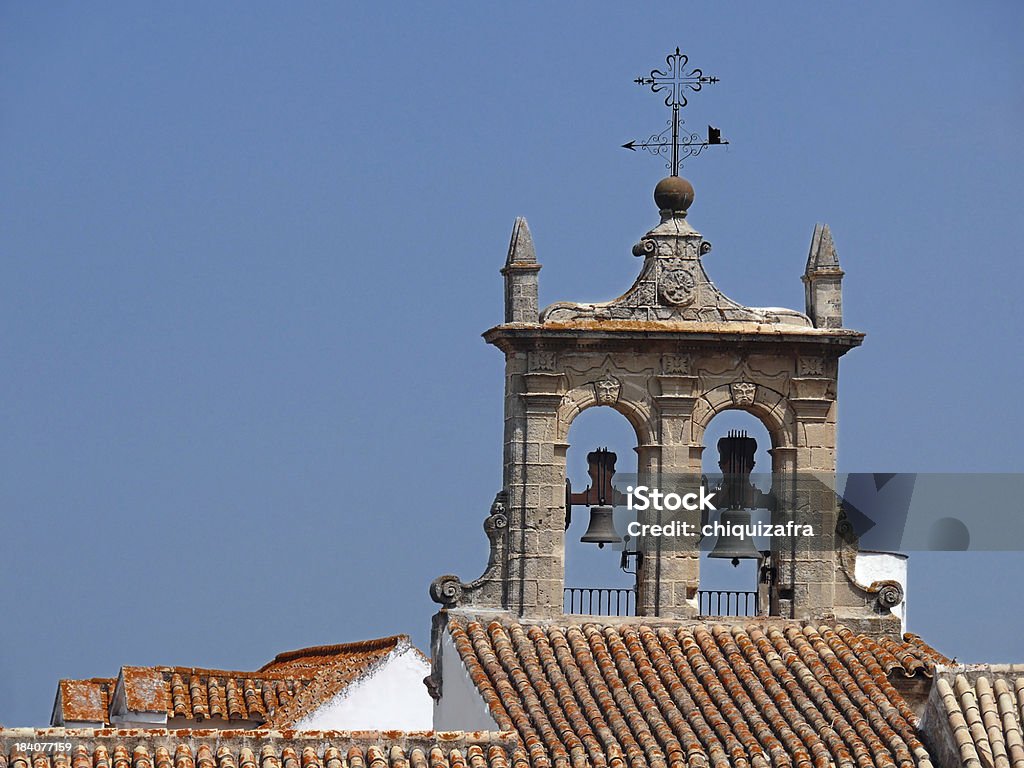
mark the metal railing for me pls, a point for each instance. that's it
(599, 601)
(727, 602)
(612, 601)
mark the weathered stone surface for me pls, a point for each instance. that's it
(669, 355)
(823, 281)
(520, 273)
(672, 286)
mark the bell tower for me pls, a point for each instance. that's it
(669, 354)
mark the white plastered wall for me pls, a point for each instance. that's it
(460, 708)
(885, 566)
(391, 697)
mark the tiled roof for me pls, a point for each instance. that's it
(184, 692)
(255, 749)
(200, 694)
(350, 655)
(282, 691)
(636, 696)
(85, 700)
(336, 667)
(985, 712)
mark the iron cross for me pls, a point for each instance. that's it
(675, 81)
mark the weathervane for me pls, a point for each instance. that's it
(675, 81)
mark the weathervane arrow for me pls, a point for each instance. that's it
(675, 81)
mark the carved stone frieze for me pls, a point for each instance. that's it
(765, 370)
(586, 364)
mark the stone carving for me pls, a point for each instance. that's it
(646, 247)
(607, 390)
(888, 593)
(449, 591)
(672, 287)
(675, 364)
(496, 522)
(743, 393)
(542, 361)
(811, 366)
(446, 590)
(677, 283)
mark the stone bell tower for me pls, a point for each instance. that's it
(669, 354)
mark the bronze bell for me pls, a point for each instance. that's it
(735, 548)
(601, 530)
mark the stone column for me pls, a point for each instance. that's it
(783, 551)
(669, 576)
(535, 482)
(813, 565)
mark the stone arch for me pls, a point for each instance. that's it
(770, 407)
(579, 399)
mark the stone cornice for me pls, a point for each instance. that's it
(671, 336)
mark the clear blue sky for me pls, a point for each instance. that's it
(248, 250)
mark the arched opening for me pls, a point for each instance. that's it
(594, 582)
(725, 588)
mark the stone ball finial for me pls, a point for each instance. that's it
(673, 193)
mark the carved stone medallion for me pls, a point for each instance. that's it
(675, 364)
(542, 361)
(811, 366)
(677, 284)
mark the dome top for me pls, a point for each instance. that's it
(673, 193)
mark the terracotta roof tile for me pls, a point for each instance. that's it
(259, 749)
(86, 700)
(985, 714)
(144, 689)
(191, 693)
(336, 667)
(279, 693)
(323, 655)
(771, 695)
